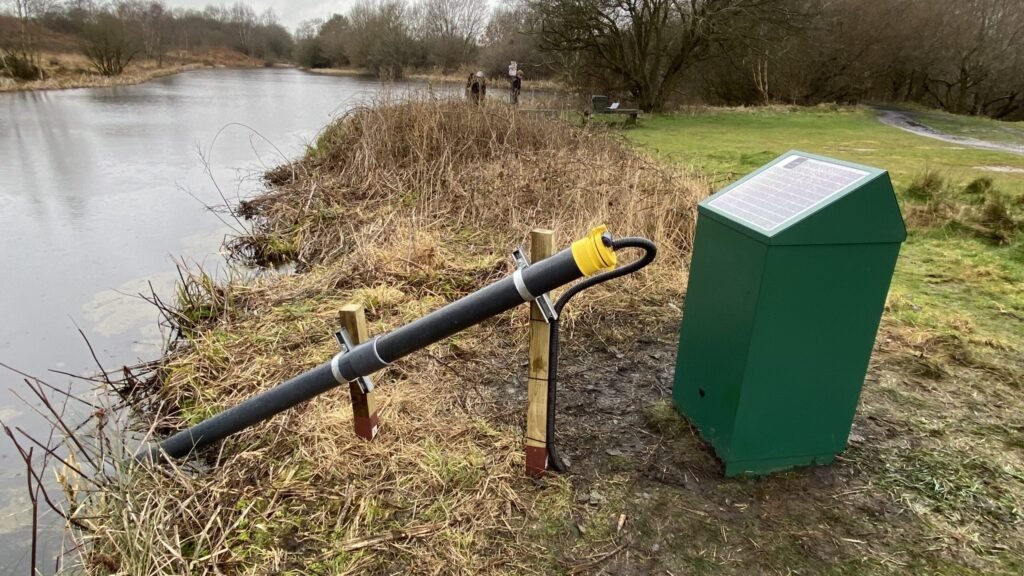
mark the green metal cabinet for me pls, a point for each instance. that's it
(790, 271)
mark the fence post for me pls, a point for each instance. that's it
(364, 406)
(541, 246)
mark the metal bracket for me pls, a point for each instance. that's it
(547, 309)
(345, 341)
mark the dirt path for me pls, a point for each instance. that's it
(904, 120)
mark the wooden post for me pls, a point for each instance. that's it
(541, 246)
(364, 406)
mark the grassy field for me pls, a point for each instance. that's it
(730, 143)
(946, 269)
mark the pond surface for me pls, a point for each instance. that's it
(102, 192)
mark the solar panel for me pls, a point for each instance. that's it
(786, 191)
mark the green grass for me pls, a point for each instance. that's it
(728, 143)
(947, 273)
(938, 268)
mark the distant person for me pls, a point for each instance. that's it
(515, 86)
(476, 88)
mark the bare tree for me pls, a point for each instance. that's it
(19, 57)
(508, 37)
(153, 21)
(380, 37)
(965, 56)
(333, 34)
(111, 42)
(647, 44)
(976, 54)
(243, 19)
(309, 49)
(450, 30)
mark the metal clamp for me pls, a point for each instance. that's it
(547, 309)
(345, 341)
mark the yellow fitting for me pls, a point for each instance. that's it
(590, 253)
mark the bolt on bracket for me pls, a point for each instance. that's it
(547, 309)
(345, 341)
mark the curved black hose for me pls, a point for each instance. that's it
(650, 251)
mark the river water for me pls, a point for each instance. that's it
(102, 191)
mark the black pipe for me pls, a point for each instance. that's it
(369, 357)
(539, 278)
(650, 251)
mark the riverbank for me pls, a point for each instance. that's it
(405, 207)
(72, 70)
(400, 208)
(543, 85)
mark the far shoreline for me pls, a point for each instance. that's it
(140, 74)
(81, 77)
(432, 77)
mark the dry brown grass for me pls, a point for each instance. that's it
(437, 165)
(402, 207)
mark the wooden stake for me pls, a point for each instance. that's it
(541, 246)
(364, 406)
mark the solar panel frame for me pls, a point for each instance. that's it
(786, 191)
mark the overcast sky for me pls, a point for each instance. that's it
(288, 13)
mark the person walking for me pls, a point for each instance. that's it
(476, 88)
(515, 86)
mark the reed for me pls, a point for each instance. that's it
(400, 206)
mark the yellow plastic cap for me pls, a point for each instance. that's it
(591, 254)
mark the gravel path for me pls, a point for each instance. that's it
(905, 121)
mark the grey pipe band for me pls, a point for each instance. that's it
(336, 370)
(363, 360)
(377, 354)
(524, 292)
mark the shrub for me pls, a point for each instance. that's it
(980, 210)
(979, 186)
(110, 45)
(996, 219)
(19, 67)
(928, 185)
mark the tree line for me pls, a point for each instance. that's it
(389, 36)
(113, 34)
(964, 56)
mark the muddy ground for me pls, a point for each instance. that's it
(650, 497)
